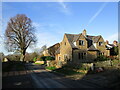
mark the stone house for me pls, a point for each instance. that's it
(77, 48)
(51, 50)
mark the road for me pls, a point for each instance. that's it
(35, 76)
(45, 79)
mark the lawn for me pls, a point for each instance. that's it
(50, 68)
(79, 72)
(67, 70)
(38, 64)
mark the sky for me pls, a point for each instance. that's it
(53, 19)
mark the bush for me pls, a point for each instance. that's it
(42, 58)
(51, 68)
(111, 57)
(102, 58)
(45, 58)
(49, 58)
(35, 59)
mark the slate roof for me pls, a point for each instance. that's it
(90, 39)
(92, 48)
(96, 38)
(52, 49)
(57, 51)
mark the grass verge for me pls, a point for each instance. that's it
(67, 70)
(38, 64)
(50, 68)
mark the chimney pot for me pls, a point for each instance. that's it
(84, 32)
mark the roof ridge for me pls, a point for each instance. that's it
(92, 47)
(71, 34)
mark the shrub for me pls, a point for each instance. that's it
(45, 58)
(51, 68)
(49, 58)
(35, 59)
(102, 58)
(42, 58)
(111, 57)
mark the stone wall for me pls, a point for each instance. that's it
(101, 48)
(66, 49)
(91, 55)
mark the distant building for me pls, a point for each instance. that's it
(51, 50)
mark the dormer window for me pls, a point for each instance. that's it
(100, 43)
(81, 42)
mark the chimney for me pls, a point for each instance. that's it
(115, 42)
(107, 42)
(84, 32)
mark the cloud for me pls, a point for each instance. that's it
(46, 34)
(44, 38)
(112, 37)
(64, 8)
(97, 13)
(62, 4)
(40, 27)
(48, 27)
(36, 24)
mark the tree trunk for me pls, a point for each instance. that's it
(22, 57)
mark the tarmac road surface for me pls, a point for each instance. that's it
(45, 79)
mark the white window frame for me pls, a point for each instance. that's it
(81, 42)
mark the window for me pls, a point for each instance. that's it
(100, 53)
(81, 55)
(65, 43)
(103, 53)
(81, 42)
(66, 57)
(59, 58)
(84, 54)
(100, 43)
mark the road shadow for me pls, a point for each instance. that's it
(109, 78)
(14, 75)
(17, 81)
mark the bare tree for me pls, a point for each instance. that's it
(44, 47)
(20, 34)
